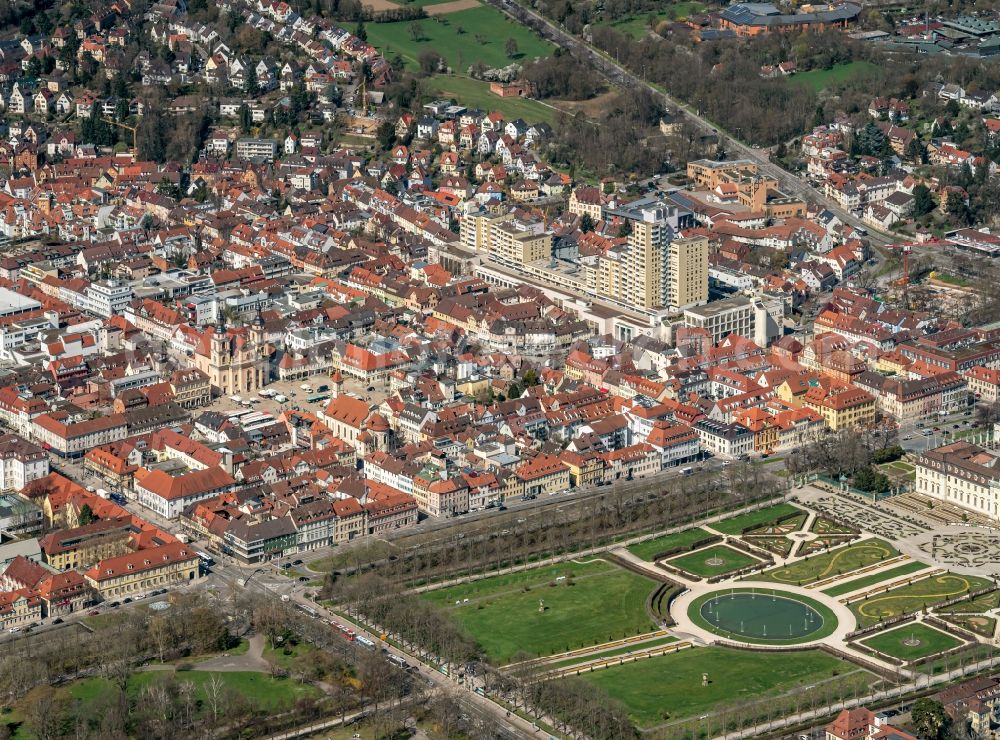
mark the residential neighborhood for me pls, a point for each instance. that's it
(478, 369)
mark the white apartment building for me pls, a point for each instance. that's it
(264, 149)
(107, 298)
(20, 462)
(71, 437)
(721, 318)
(724, 439)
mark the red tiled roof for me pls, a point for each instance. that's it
(143, 560)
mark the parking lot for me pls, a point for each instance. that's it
(297, 398)
(932, 432)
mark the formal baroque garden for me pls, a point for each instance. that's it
(749, 587)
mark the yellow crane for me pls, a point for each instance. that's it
(133, 129)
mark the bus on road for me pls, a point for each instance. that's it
(400, 661)
(205, 558)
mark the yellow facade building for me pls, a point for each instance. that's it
(143, 571)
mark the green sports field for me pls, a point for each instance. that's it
(671, 684)
(651, 548)
(638, 26)
(882, 577)
(712, 561)
(736, 524)
(462, 38)
(823, 79)
(592, 603)
(828, 564)
(926, 641)
(908, 599)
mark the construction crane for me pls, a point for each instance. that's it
(906, 276)
(903, 281)
(363, 93)
(133, 129)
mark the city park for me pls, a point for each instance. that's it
(701, 622)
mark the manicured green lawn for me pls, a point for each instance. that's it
(974, 432)
(476, 94)
(827, 564)
(785, 527)
(594, 603)
(671, 684)
(884, 577)
(821, 79)
(651, 548)
(767, 515)
(916, 596)
(978, 623)
(614, 652)
(374, 550)
(259, 688)
(776, 544)
(638, 26)
(979, 604)
(460, 50)
(929, 641)
(278, 657)
(822, 525)
(712, 561)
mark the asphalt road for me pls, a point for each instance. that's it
(913, 438)
(434, 529)
(266, 579)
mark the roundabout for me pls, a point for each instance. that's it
(760, 615)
